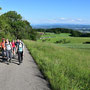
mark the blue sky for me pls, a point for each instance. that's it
(50, 11)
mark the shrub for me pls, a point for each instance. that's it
(63, 41)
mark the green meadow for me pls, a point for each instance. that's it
(66, 65)
(56, 35)
(51, 38)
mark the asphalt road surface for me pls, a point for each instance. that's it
(21, 77)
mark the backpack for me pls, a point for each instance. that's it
(3, 45)
(8, 46)
(17, 43)
(20, 47)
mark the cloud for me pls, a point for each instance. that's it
(73, 20)
(63, 21)
(62, 18)
(79, 20)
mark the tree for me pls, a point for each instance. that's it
(0, 8)
(12, 16)
(11, 23)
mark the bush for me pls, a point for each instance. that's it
(86, 43)
(63, 41)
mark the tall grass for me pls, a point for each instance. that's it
(65, 68)
(77, 46)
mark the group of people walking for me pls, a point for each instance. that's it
(10, 49)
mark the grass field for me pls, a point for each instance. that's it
(52, 38)
(66, 66)
(71, 42)
(56, 35)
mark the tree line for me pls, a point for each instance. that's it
(13, 26)
(73, 33)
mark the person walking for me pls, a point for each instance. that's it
(20, 52)
(3, 47)
(8, 51)
(13, 48)
(16, 44)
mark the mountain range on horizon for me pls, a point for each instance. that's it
(80, 27)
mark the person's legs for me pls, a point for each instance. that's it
(14, 52)
(2, 53)
(19, 57)
(10, 55)
(7, 52)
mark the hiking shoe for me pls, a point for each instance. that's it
(7, 60)
(10, 60)
(7, 63)
(19, 63)
(14, 57)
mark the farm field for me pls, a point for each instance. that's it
(65, 40)
(56, 35)
(65, 65)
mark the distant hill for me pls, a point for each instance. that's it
(82, 28)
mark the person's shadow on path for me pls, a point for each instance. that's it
(4, 60)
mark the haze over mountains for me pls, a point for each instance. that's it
(82, 28)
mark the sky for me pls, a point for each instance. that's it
(50, 11)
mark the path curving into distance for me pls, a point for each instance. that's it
(22, 77)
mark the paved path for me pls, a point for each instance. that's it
(21, 77)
